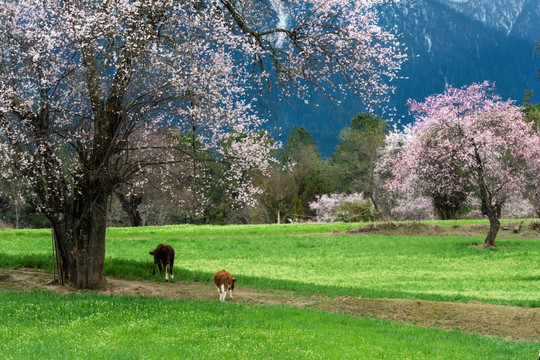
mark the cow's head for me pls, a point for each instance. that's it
(155, 261)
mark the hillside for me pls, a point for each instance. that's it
(448, 42)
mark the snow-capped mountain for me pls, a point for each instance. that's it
(458, 42)
(454, 42)
(508, 16)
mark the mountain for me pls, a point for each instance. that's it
(513, 17)
(454, 42)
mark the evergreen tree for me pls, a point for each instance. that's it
(357, 154)
(308, 171)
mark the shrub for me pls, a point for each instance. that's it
(354, 212)
(327, 207)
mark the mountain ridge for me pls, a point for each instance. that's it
(496, 14)
(446, 45)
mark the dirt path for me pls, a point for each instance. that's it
(510, 322)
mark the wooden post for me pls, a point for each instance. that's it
(517, 228)
(58, 261)
(54, 256)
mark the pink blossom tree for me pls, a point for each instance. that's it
(79, 78)
(467, 140)
(411, 206)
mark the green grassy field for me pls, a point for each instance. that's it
(431, 268)
(304, 258)
(41, 325)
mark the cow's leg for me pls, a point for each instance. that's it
(219, 292)
(166, 272)
(159, 266)
(171, 268)
(222, 293)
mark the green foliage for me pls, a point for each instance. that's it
(278, 192)
(298, 209)
(298, 139)
(309, 171)
(531, 112)
(368, 123)
(356, 157)
(43, 325)
(23, 214)
(355, 212)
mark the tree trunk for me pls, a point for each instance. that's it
(494, 226)
(17, 214)
(81, 244)
(130, 205)
(448, 205)
(372, 198)
(491, 210)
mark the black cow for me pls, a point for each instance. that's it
(164, 255)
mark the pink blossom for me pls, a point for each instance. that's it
(464, 136)
(467, 140)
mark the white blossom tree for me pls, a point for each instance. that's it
(327, 206)
(79, 77)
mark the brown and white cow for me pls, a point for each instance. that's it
(164, 255)
(224, 282)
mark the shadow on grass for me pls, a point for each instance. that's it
(139, 270)
(44, 262)
(144, 270)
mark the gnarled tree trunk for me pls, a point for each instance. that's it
(493, 213)
(489, 207)
(130, 205)
(448, 206)
(494, 225)
(81, 244)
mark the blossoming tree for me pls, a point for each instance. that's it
(467, 140)
(79, 77)
(326, 206)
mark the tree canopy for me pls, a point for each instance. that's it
(88, 87)
(357, 155)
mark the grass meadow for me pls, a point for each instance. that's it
(314, 262)
(304, 258)
(43, 325)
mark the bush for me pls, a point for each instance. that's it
(327, 206)
(355, 212)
